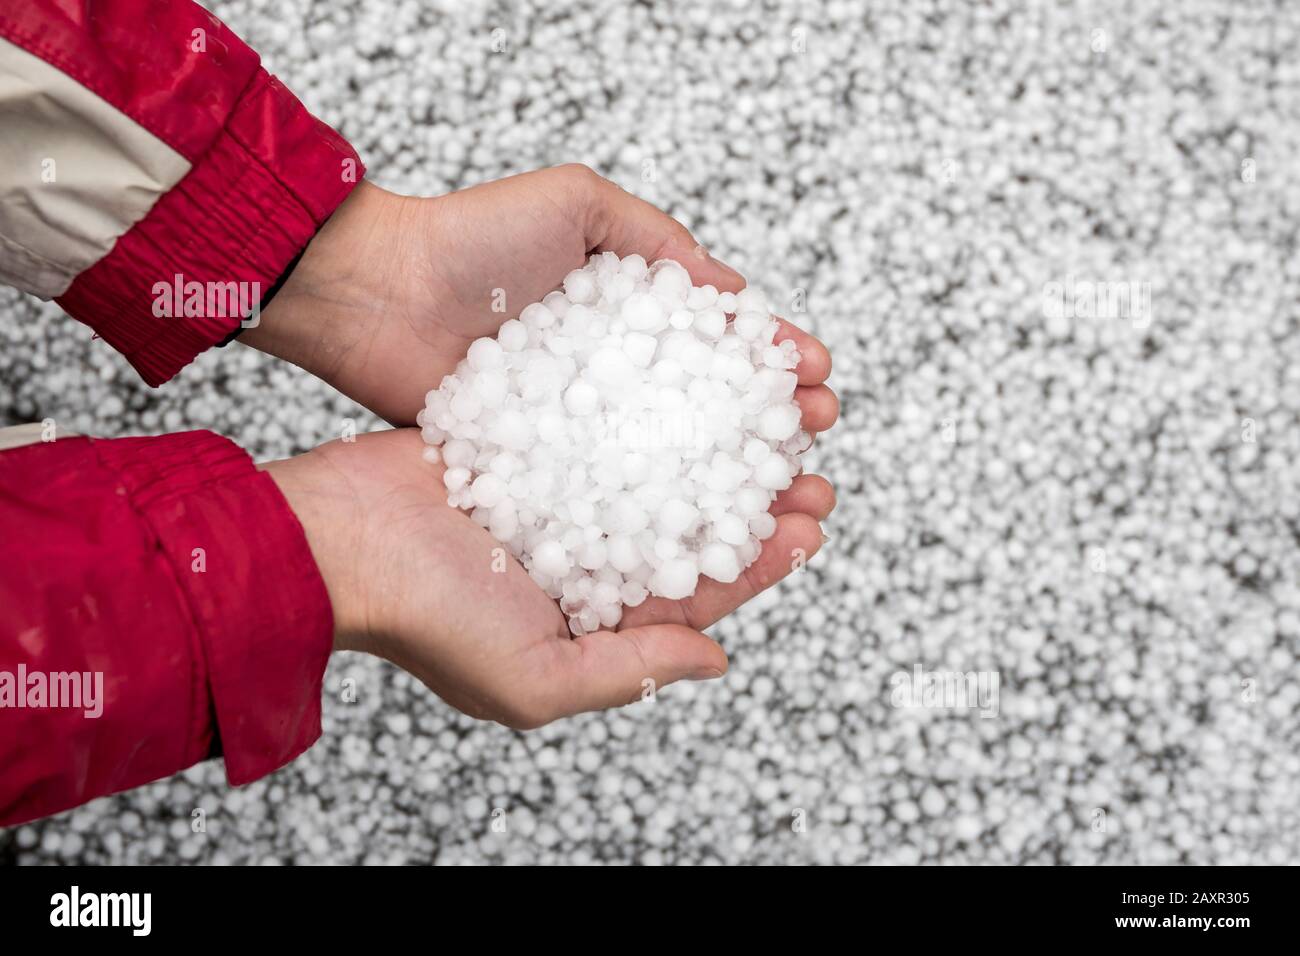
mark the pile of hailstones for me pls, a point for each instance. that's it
(622, 437)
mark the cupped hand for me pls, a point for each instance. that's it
(389, 295)
(417, 582)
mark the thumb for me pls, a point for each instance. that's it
(616, 221)
(611, 668)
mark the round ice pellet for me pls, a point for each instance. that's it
(580, 286)
(536, 316)
(763, 525)
(778, 422)
(773, 473)
(719, 561)
(488, 490)
(731, 529)
(513, 335)
(643, 312)
(549, 558)
(581, 399)
(675, 579)
(484, 354)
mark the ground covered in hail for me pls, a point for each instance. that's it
(1052, 250)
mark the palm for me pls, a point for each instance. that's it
(395, 289)
(448, 604)
(439, 273)
(512, 242)
(435, 605)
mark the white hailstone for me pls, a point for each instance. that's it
(750, 325)
(778, 422)
(488, 490)
(536, 316)
(556, 303)
(485, 354)
(504, 520)
(593, 555)
(750, 299)
(666, 549)
(634, 267)
(671, 282)
(663, 438)
(756, 450)
(718, 561)
(491, 386)
(773, 473)
(643, 312)
(967, 827)
(675, 578)
(458, 453)
(675, 516)
(549, 558)
(580, 286)
(710, 323)
(513, 335)
(640, 348)
(731, 529)
(623, 554)
(581, 399)
(700, 298)
(749, 501)
(465, 405)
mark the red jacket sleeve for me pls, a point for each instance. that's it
(159, 602)
(151, 152)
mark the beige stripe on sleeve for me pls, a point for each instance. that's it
(16, 436)
(75, 174)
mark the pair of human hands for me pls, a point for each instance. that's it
(383, 304)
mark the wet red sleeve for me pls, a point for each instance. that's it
(264, 173)
(171, 572)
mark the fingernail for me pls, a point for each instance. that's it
(706, 673)
(825, 538)
(725, 268)
(705, 254)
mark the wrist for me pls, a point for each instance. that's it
(326, 515)
(330, 304)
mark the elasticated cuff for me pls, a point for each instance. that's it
(248, 206)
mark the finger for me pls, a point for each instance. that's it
(808, 494)
(814, 358)
(818, 407)
(612, 668)
(798, 537)
(616, 221)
